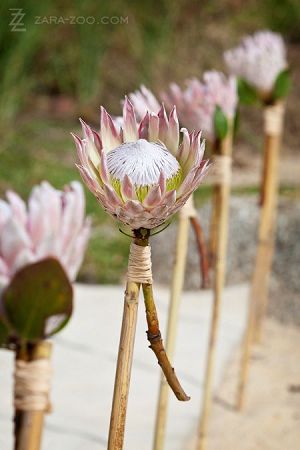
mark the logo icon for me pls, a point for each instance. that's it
(16, 23)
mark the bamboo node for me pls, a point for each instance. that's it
(32, 385)
(153, 337)
(139, 264)
(220, 172)
(273, 119)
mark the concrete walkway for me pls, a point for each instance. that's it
(84, 363)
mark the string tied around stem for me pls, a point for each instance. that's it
(32, 385)
(220, 172)
(273, 119)
(139, 264)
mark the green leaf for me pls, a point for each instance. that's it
(236, 122)
(220, 123)
(282, 85)
(247, 94)
(38, 302)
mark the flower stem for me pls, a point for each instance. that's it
(29, 424)
(202, 249)
(156, 344)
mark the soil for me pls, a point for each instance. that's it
(271, 417)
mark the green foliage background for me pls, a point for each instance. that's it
(55, 72)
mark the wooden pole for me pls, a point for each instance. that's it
(29, 424)
(220, 234)
(124, 362)
(258, 297)
(176, 290)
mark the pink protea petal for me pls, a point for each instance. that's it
(111, 195)
(170, 198)
(88, 150)
(5, 213)
(110, 137)
(84, 159)
(174, 97)
(103, 170)
(24, 257)
(195, 152)
(88, 179)
(76, 257)
(86, 129)
(153, 197)
(14, 239)
(162, 181)
(133, 207)
(80, 150)
(172, 140)
(153, 127)
(18, 206)
(130, 130)
(186, 184)
(184, 148)
(127, 189)
(163, 125)
(76, 191)
(97, 141)
(36, 222)
(143, 131)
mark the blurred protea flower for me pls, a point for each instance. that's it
(141, 175)
(144, 100)
(258, 60)
(53, 224)
(196, 104)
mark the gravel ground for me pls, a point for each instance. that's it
(244, 215)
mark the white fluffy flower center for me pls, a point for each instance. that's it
(142, 161)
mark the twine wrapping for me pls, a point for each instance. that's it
(273, 119)
(220, 172)
(139, 264)
(188, 210)
(32, 385)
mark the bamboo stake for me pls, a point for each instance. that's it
(214, 220)
(124, 363)
(176, 290)
(258, 297)
(220, 215)
(29, 424)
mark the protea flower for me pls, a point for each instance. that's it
(141, 175)
(53, 224)
(258, 60)
(196, 104)
(144, 100)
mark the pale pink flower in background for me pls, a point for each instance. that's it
(196, 104)
(144, 100)
(52, 224)
(258, 60)
(140, 174)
